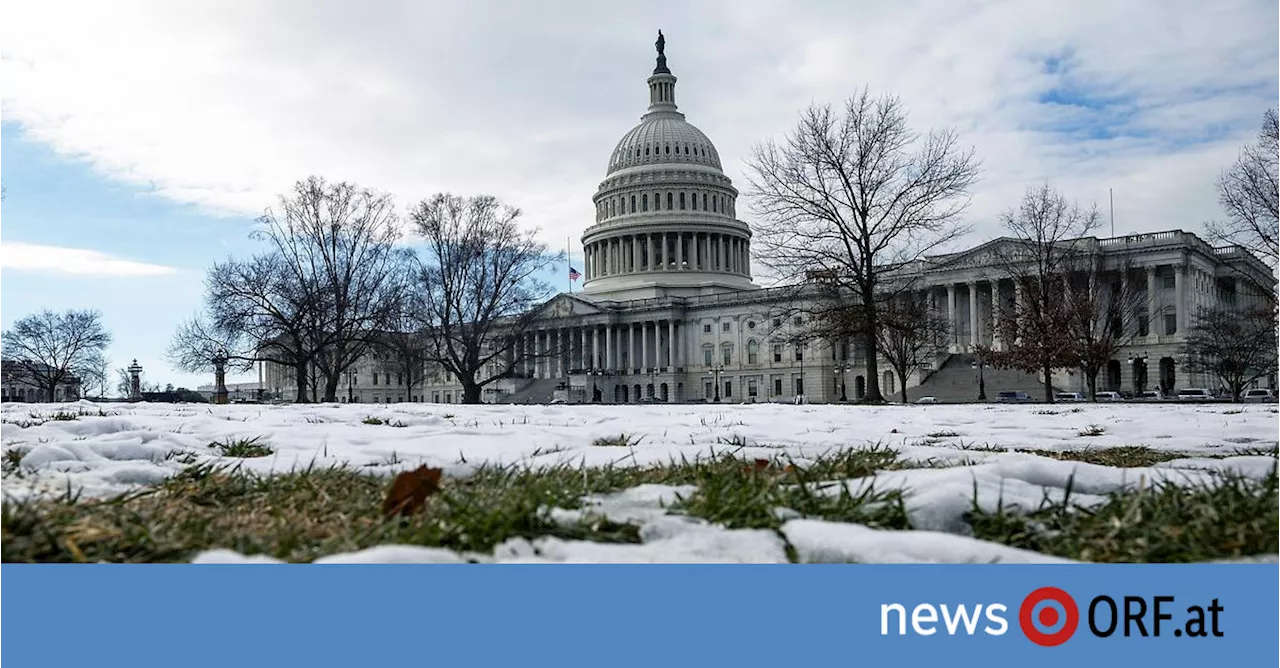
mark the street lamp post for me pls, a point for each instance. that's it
(716, 369)
(841, 370)
(351, 386)
(980, 366)
(1134, 361)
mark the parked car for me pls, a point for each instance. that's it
(1108, 396)
(1013, 397)
(1258, 394)
(1150, 395)
(1194, 394)
(1068, 396)
(927, 400)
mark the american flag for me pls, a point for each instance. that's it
(574, 274)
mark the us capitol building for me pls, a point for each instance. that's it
(669, 311)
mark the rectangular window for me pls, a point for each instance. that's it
(435, 397)
(799, 353)
(777, 387)
(1144, 327)
(724, 327)
(1169, 282)
(752, 356)
(1171, 323)
(799, 320)
(706, 329)
(706, 390)
(799, 386)
(375, 379)
(399, 379)
(777, 322)
(752, 390)
(728, 388)
(777, 354)
(706, 356)
(728, 355)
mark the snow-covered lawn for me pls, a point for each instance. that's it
(961, 450)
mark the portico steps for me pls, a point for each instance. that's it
(956, 381)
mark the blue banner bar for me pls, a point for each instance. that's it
(603, 616)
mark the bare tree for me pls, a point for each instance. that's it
(1102, 311)
(1237, 346)
(51, 349)
(338, 240)
(258, 305)
(1249, 191)
(852, 197)
(95, 378)
(1049, 243)
(910, 335)
(198, 343)
(478, 284)
(406, 345)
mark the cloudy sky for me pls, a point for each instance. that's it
(141, 138)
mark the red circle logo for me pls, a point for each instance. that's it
(1042, 621)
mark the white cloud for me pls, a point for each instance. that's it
(224, 105)
(17, 256)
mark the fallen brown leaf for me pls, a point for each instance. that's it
(409, 491)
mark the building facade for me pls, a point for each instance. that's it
(669, 311)
(19, 385)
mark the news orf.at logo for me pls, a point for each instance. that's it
(1048, 616)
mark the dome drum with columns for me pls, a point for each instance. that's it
(665, 212)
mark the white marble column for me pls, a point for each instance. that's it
(995, 315)
(697, 256)
(951, 316)
(595, 348)
(644, 345)
(608, 348)
(631, 346)
(1180, 296)
(973, 315)
(1152, 327)
(671, 344)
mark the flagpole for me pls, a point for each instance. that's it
(568, 251)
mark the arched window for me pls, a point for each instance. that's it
(686, 149)
(713, 205)
(668, 149)
(682, 201)
(704, 201)
(646, 150)
(633, 204)
(644, 202)
(753, 352)
(670, 204)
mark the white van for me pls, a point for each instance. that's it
(1194, 394)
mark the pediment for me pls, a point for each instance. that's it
(993, 253)
(566, 306)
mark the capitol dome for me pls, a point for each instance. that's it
(665, 213)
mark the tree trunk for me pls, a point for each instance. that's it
(902, 381)
(470, 392)
(300, 370)
(331, 387)
(873, 395)
(1048, 384)
(1091, 378)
